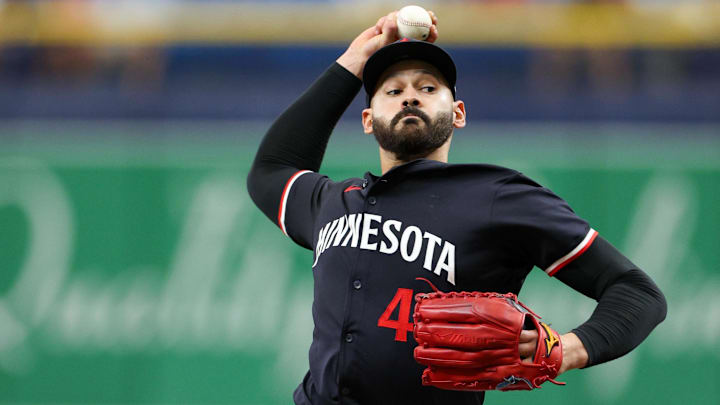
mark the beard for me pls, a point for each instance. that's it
(411, 139)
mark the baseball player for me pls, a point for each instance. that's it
(464, 227)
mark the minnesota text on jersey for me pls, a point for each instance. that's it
(361, 230)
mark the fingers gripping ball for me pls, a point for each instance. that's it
(413, 22)
(469, 341)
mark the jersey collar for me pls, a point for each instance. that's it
(398, 172)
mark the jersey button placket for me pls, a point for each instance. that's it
(349, 337)
(372, 200)
(357, 284)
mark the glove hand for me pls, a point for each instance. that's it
(527, 345)
(475, 341)
(574, 353)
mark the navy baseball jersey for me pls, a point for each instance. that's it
(469, 227)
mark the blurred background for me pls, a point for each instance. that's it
(135, 270)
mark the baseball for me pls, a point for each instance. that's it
(413, 22)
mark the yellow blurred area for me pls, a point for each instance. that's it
(147, 23)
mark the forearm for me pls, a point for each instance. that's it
(625, 315)
(629, 307)
(298, 138)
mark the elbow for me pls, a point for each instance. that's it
(656, 301)
(253, 185)
(256, 183)
(259, 183)
(647, 291)
(662, 306)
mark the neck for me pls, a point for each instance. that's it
(388, 160)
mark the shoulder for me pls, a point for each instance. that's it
(308, 187)
(345, 185)
(308, 177)
(322, 188)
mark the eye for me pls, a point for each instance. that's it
(393, 92)
(428, 89)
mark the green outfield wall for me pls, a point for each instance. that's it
(134, 269)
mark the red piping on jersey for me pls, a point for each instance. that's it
(429, 282)
(593, 234)
(283, 197)
(351, 188)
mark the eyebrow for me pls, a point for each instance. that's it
(423, 71)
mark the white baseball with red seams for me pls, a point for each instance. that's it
(413, 22)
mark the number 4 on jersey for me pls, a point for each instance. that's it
(403, 298)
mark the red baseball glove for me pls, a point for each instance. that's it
(469, 341)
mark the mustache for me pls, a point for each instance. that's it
(409, 111)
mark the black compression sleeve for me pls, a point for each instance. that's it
(630, 304)
(298, 138)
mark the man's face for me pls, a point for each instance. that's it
(412, 111)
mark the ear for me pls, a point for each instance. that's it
(458, 114)
(367, 120)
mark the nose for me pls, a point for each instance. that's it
(411, 101)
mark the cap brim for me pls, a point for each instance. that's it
(404, 50)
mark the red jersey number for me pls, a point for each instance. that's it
(403, 298)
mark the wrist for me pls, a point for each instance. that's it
(574, 353)
(352, 63)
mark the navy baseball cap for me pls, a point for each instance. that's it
(405, 49)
